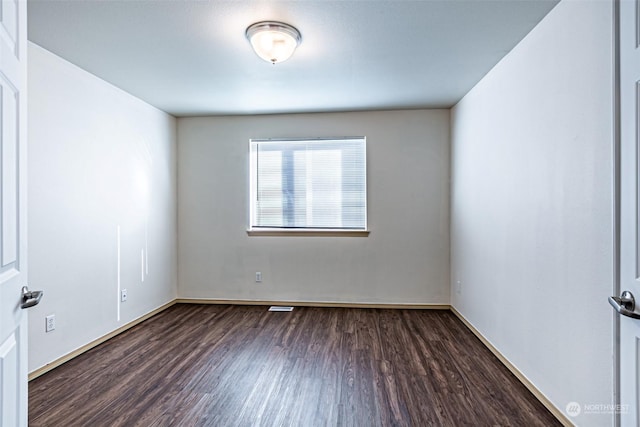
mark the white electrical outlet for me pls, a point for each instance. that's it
(50, 323)
(458, 287)
(258, 277)
(123, 295)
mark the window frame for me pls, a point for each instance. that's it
(300, 231)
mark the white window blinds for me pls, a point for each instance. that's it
(316, 183)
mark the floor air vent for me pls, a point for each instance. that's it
(280, 308)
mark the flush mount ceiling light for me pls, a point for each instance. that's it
(273, 41)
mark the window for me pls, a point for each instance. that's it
(308, 184)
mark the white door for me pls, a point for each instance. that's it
(629, 350)
(13, 253)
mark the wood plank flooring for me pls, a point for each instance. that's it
(220, 365)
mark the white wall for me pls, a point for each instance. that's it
(99, 159)
(532, 206)
(405, 259)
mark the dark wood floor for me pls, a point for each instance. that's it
(220, 365)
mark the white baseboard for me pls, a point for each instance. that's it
(77, 352)
(515, 371)
(335, 304)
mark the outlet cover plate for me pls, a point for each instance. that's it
(50, 323)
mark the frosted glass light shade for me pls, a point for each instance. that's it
(273, 41)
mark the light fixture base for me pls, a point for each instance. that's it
(273, 41)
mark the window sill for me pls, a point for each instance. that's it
(307, 232)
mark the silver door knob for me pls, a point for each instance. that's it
(625, 304)
(30, 298)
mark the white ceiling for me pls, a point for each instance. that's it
(192, 58)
